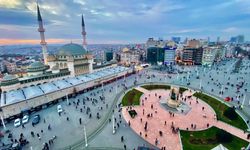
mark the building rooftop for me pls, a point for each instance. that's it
(8, 77)
(27, 93)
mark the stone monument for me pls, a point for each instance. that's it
(173, 100)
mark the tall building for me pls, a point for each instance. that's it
(193, 43)
(155, 55)
(176, 39)
(192, 56)
(233, 39)
(187, 56)
(109, 55)
(218, 40)
(240, 39)
(208, 56)
(151, 42)
(169, 56)
(41, 30)
(129, 57)
(198, 52)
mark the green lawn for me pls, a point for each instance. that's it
(154, 87)
(182, 89)
(219, 109)
(132, 97)
(206, 140)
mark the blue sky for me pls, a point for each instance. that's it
(125, 21)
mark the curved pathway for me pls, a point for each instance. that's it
(201, 118)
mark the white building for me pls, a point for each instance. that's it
(208, 56)
(169, 56)
(129, 57)
(10, 66)
(2, 66)
(229, 50)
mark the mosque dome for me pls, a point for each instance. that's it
(9, 79)
(72, 50)
(37, 67)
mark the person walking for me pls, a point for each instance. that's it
(80, 120)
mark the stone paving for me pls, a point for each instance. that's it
(73, 132)
(200, 119)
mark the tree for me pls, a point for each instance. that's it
(223, 136)
(230, 113)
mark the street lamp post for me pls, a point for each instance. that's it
(102, 86)
(237, 97)
(116, 85)
(113, 124)
(3, 122)
(67, 98)
(200, 83)
(222, 88)
(85, 136)
(243, 102)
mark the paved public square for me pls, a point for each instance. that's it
(152, 118)
(99, 131)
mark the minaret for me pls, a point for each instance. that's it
(41, 30)
(84, 43)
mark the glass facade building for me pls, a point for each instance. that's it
(155, 55)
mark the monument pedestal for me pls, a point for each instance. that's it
(173, 100)
(173, 103)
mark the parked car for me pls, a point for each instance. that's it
(25, 119)
(59, 109)
(36, 120)
(17, 122)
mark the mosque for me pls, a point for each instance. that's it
(70, 60)
(72, 56)
(66, 73)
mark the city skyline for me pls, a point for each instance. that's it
(124, 22)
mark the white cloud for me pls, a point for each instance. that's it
(81, 2)
(230, 30)
(10, 3)
(185, 31)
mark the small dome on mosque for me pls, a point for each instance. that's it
(37, 66)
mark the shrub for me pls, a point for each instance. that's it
(132, 113)
(223, 136)
(230, 113)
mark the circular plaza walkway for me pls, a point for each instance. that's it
(200, 117)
